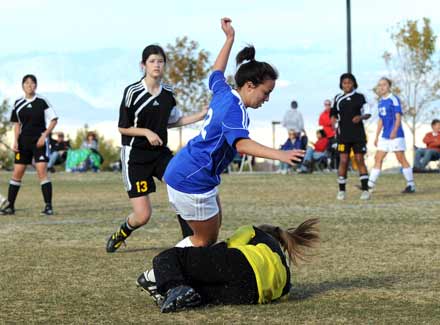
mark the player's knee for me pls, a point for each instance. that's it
(142, 217)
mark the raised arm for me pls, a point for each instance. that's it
(223, 56)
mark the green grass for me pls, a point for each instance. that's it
(378, 263)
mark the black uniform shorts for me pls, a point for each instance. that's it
(27, 149)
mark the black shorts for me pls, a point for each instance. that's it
(138, 172)
(358, 147)
(27, 149)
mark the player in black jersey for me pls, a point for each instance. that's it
(34, 119)
(148, 109)
(349, 110)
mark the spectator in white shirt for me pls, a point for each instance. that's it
(293, 119)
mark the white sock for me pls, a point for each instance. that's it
(185, 242)
(374, 175)
(408, 174)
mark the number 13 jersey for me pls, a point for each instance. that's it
(197, 167)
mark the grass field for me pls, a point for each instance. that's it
(378, 263)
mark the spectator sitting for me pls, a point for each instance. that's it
(58, 151)
(294, 141)
(317, 153)
(432, 151)
(91, 143)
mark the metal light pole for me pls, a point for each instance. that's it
(348, 36)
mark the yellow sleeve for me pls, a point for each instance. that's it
(241, 236)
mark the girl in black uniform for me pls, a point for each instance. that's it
(148, 109)
(248, 268)
(349, 109)
(34, 119)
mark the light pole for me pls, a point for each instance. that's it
(348, 36)
(274, 123)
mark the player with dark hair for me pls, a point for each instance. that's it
(194, 173)
(34, 119)
(147, 110)
(248, 268)
(349, 109)
(392, 138)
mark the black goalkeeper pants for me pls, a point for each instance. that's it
(219, 274)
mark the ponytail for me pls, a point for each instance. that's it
(294, 241)
(249, 69)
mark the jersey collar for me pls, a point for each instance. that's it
(236, 94)
(30, 100)
(388, 96)
(146, 88)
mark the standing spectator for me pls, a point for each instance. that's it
(432, 151)
(326, 122)
(58, 151)
(316, 153)
(293, 120)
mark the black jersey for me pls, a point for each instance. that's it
(140, 109)
(33, 115)
(345, 107)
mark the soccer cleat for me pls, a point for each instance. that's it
(370, 189)
(179, 298)
(8, 210)
(409, 189)
(341, 196)
(365, 195)
(116, 240)
(48, 211)
(147, 282)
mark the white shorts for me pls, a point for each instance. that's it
(391, 145)
(195, 207)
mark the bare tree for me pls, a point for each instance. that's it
(414, 70)
(187, 73)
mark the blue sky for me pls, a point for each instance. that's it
(91, 49)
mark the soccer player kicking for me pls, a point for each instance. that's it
(349, 110)
(248, 268)
(193, 174)
(147, 110)
(392, 138)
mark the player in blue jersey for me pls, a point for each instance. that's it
(194, 173)
(392, 138)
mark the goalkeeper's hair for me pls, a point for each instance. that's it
(294, 241)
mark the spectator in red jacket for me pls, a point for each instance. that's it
(432, 151)
(319, 151)
(325, 120)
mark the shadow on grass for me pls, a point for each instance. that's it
(306, 291)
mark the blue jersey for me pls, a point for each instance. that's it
(197, 167)
(388, 108)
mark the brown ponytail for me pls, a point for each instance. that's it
(294, 241)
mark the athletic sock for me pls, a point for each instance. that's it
(408, 174)
(364, 181)
(127, 229)
(185, 242)
(374, 175)
(342, 181)
(46, 189)
(14, 187)
(184, 226)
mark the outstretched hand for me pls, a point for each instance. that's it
(227, 27)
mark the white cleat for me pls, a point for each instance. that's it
(340, 196)
(366, 195)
